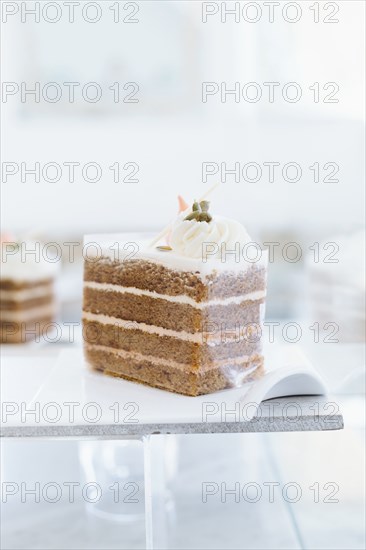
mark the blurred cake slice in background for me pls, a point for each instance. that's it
(27, 298)
(337, 288)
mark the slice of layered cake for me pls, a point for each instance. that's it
(184, 317)
(27, 301)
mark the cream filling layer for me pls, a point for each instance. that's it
(223, 363)
(182, 299)
(26, 293)
(30, 314)
(211, 338)
(134, 325)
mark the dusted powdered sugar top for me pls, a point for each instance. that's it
(136, 246)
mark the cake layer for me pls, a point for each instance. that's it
(28, 315)
(182, 347)
(28, 293)
(18, 333)
(18, 284)
(147, 371)
(225, 363)
(155, 277)
(25, 305)
(163, 313)
(180, 299)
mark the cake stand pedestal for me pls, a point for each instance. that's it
(156, 528)
(155, 483)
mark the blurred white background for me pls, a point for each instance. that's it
(170, 132)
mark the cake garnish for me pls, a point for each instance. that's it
(200, 212)
(193, 239)
(182, 203)
(165, 248)
(183, 206)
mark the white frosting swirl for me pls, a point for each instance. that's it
(203, 240)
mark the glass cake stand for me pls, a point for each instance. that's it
(136, 443)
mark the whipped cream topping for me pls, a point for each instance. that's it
(27, 261)
(205, 240)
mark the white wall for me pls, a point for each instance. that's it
(170, 132)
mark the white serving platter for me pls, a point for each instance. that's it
(75, 401)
